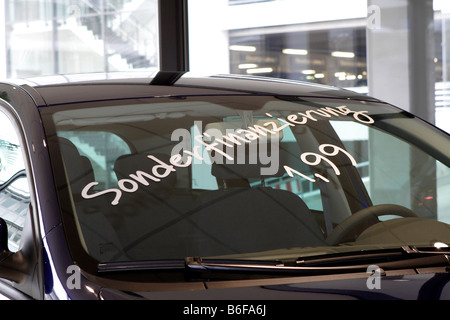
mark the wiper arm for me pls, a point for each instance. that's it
(231, 264)
(190, 263)
(426, 250)
(355, 261)
(266, 269)
(403, 257)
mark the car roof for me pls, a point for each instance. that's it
(69, 89)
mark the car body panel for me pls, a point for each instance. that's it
(53, 280)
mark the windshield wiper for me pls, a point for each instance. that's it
(354, 261)
(426, 250)
(124, 266)
(246, 267)
(187, 263)
(403, 257)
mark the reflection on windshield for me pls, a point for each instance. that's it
(194, 177)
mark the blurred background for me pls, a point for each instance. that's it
(395, 50)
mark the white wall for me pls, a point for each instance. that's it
(208, 36)
(2, 41)
(285, 12)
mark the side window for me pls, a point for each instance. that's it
(14, 189)
(395, 171)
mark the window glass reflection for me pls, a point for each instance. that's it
(52, 37)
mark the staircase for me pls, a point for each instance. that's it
(118, 43)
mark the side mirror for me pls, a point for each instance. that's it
(12, 265)
(3, 236)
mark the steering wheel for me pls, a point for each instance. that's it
(351, 228)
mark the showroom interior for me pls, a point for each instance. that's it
(394, 50)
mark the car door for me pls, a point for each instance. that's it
(19, 276)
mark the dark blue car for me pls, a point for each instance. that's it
(223, 187)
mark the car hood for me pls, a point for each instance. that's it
(429, 286)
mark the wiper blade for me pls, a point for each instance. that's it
(406, 256)
(174, 264)
(223, 264)
(186, 263)
(354, 261)
(265, 269)
(350, 257)
(124, 266)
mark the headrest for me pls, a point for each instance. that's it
(78, 167)
(251, 159)
(68, 149)
(130, 164)
(255, 161)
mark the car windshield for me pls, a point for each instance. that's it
(246, 177)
